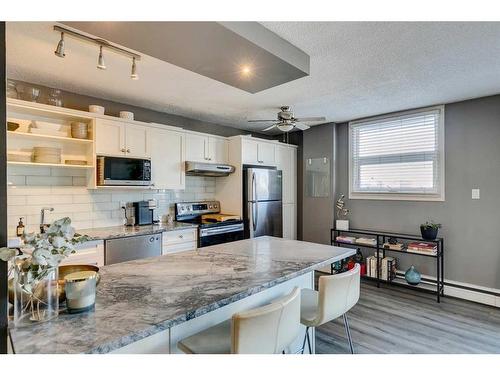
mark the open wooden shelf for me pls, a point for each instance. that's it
(48, 137)
(49, 165)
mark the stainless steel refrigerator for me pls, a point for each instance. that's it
(262, 205)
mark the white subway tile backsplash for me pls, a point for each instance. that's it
(72, 172)
(48, 180)
(16, 180)
(17, 200)
(52, 187)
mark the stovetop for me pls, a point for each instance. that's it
(210, 224)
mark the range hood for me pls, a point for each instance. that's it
(194, 168)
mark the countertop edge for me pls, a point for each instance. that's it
(159, 327)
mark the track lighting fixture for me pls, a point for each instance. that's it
(60, 47)
(101, 43)
(134, 74)
(100, 60)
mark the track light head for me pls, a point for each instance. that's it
(59, 52)
(100, 60)
(134, 74)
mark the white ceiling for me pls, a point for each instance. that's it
(357, 70)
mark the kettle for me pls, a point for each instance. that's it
(129, 214)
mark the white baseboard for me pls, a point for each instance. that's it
(479, 294)
(466, 291)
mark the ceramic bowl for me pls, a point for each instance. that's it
(96, 109)
(127, 115)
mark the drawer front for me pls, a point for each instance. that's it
(94, 256)
(179, 236)
(183, 246)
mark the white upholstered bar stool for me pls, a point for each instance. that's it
(268, 329)
(336, 295)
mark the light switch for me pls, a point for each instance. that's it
(475, 193)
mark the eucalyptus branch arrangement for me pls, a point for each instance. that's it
(37, 258)
(342, 211)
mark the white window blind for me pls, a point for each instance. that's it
(398, 157)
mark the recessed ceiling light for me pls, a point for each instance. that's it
(245, 70)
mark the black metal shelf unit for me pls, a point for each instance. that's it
(381, 238)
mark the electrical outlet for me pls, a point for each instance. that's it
(475, 193)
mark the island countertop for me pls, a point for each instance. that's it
(140, 298)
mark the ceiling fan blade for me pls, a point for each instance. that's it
(302, 126)
(269, 128)
(261, 120)
(302, 119)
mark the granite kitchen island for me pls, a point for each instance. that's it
(146, 306)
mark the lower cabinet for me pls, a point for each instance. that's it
(179, 240)
(91, 252)
(290, 221)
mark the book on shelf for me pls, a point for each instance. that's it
(395, 246)
(422, 248)
(345, 239)
(388, 268)
(366, 241)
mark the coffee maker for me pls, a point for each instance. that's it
(143, 211)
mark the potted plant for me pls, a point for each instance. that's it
(429, 230)
(35, 267)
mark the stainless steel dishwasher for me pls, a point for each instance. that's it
(131, 248)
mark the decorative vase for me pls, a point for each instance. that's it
(342, 224)
(36, 297)
(412, 276)
(429, 233)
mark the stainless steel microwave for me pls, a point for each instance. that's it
(117, 171)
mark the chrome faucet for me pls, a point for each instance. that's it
(43, 226)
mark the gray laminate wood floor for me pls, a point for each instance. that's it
(398, 320)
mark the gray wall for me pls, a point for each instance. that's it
(317, 213)
(471, 228)
(82, 102)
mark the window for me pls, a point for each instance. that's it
(398, 157)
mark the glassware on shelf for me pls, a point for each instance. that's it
(29, 93)
(55, 98)
(12, 90)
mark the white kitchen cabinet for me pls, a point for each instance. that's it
(286, 161)
(91, 252)
(117, 138)
(167, 159)
(290, 221)
(217, 150)
(258, 152)
(206, 149)
(109, 137)
(196, 147)
(136, 140)
(179, 240)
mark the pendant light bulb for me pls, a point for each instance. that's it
(100, 60)
(134, 74)
(59, 52)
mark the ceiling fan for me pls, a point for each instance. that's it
(287, 121)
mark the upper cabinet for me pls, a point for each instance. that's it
(258, 152)
(286, 160)
(167, 159)
(118, 138)
(205, 148)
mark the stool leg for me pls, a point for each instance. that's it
(348, 332)
(306, 338)
(309, 342)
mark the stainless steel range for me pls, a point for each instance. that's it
(213, 227)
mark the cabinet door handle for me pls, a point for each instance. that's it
(123, 150)
(128, 150)
(181, 236)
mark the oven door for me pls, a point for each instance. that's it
(222, 234)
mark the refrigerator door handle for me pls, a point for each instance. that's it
(255, 210)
